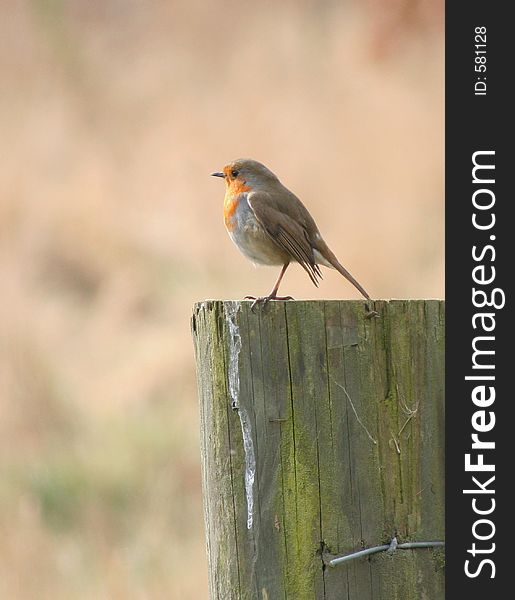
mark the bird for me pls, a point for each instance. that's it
(271, 226)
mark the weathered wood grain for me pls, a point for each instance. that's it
(335, 444)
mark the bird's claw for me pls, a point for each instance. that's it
(264, 300)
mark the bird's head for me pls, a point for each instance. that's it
(246, 173)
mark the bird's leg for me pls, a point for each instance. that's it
(273, 294)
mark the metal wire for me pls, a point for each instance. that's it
(391, 547)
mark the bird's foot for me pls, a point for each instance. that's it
(264, 300)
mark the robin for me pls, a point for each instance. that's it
(271, 226)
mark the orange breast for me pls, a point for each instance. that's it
(230, 205)
(238, 187)
(231, 201)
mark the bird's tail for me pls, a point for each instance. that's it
(350, 278)
(330, 260)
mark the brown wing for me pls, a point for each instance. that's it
(287, 233)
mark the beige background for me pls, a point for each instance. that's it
(112, 115)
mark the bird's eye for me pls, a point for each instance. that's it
(235, 173)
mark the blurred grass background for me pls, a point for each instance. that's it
(113, 113)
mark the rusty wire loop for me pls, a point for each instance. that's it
(391, 547)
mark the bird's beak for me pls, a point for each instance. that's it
(217, 174)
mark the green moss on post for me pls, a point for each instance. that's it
(336, 444)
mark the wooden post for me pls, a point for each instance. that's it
(322, 434)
